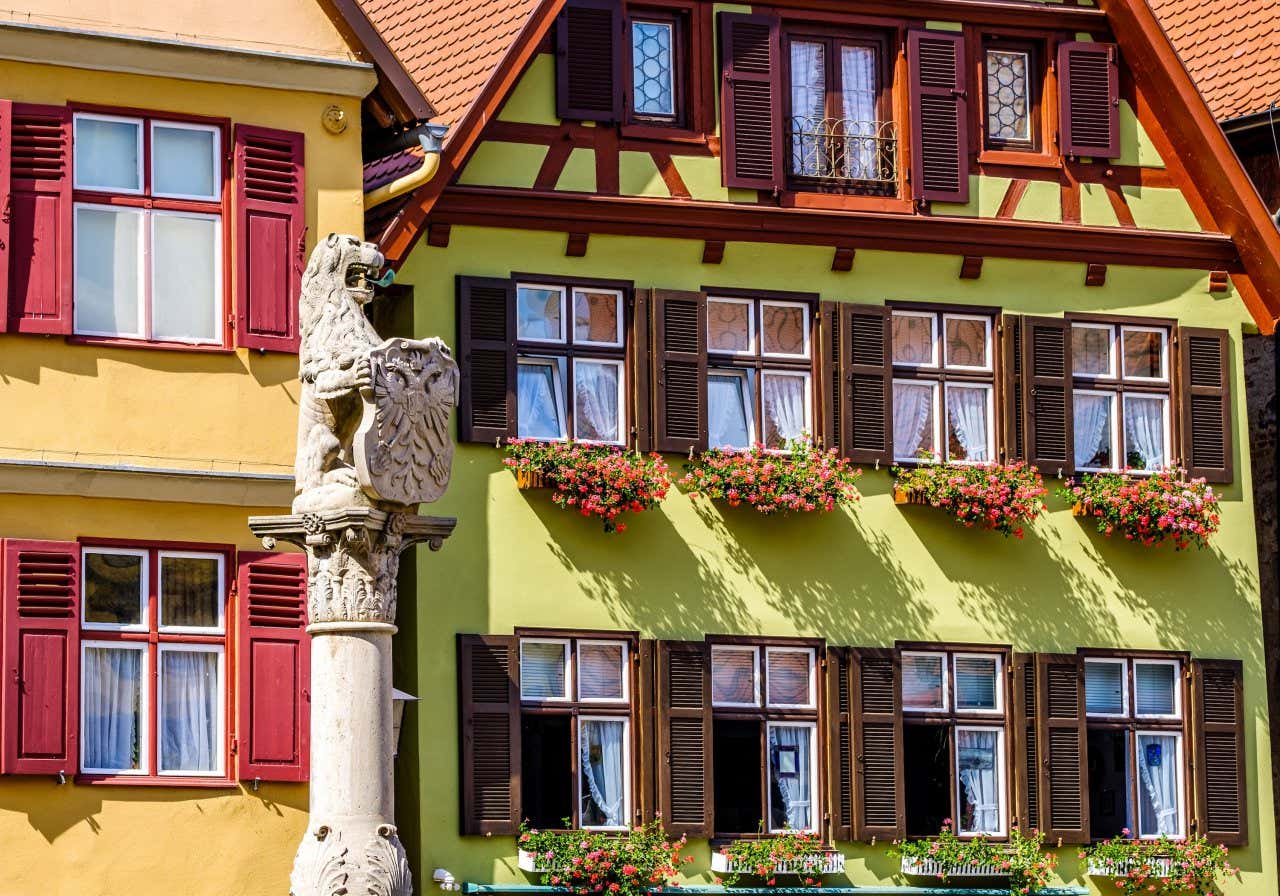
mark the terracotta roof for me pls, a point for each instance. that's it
(449, 47)
(1232, 49)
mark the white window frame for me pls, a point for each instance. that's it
(220, 719)
(569, 688)
(99, 188)
(748, 403)
(149, 299)
(813, 682)
(1123, 663)
(623, 670)
(998, 710)
(1113, 371)
(218, 629)
(144, 708)
(1164, 354)
(583, 793)
(808, 400)
(144, 573)
(935, 356)
(214, 161)
(804, 310)
(938, 447)
(946, 689)
(988, 346)
(815, 799)
(1116, 425)
(1181, 769)
(945, 443)
(1166, 427)
(1002, 779)
(1177, 688)
(622, 403)
(557, 385)
(671, 72)
(617, 295)
(564, 313)
(753, 327)
(144, 249)
(754, 650)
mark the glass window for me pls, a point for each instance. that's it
(792, 777)
(604, 763)
(597, 317)
(1008, 96)
(191, 589)
(540, 313)
(653, 68)
(185, 161)
(108, 154)
(809, 157)
(730, 399)
(977, 683)
(1093, 350)
(540, 399)
(1160, 787)
(914, 340)
(1146, 431)
(602, 670)
(790, 676)
(1105, 691)
(1155, 688)
(1145, 355)
(785, 329)
(980, 770)
(785, 406)
(186, 277)
(968, 342)
(108, 271)
(114, 587)
(598, 401)
(924, 681)
(113, 733)
(970, 433)
(915, 425)
(731, 326)
(1094, 413)
(734, 676)
(191, 713)
(544, 670)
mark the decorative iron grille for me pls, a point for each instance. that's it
(844, 150)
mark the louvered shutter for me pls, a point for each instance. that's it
(1089, 99)
(646, 720)
(866, 361)
(680, 370)
(39, 220)
(831, 376)
(1046, 376)
(751, 57)
(41, 658)
(270, 236)
(640, 366)
(273, 740)
(589, 54)
(6, 136)
(839, 678)
(1026, 762)
(1063, 787)
(1012, 402)
(487, 353)
(1221, 813)
(939, 121)
(1205, 403)
(684, 738)
(879, 796)
(489, 698)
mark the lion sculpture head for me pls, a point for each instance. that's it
(338, 281)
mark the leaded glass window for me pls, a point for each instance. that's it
(1010, 95)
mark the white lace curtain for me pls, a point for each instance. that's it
(537, 412)
(791, 774)
(976, 756)
(604, 799)
(1158, 793)
(596, 407)
(808, 106)
(112, 723)
(189, 711)
(1144, 432)
(1092, 428)
(858, 105)
(912, 411)
(967, 411)
(783, 409)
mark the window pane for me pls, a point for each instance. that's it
(186, 284)
(604, 789)
(729, 327)
(809, 146)
(595, 401)
(728, 415)
(108, 250)
(542, 670)
(1144, 447)
(1143, 352)
(107, 154)
(538, 413)
(1154, 686)
(733, 676)
(859, 90)
(968, 419)
(913, 341)
(1104, 688)
(652, 68)
(786, 412)
(113, 588)
(111, 729)
(1008, 99)
(1091, 351)
(785, 328)
(913, 425)
(182, 162)
(922, 686)
(1159, 797)
(789, 677)
(540, 313)
(189, 688)
(976, 682)
(596, 317)
(600, 671)
(966, 342)
(189, 591)
(790, 778)
(1093, 431)
(981, 800)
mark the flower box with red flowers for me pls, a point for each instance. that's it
(801, 479)
(794, 853)
(629, 862)
(1021, 859)
(1149, 509)
(1004, 498)
(1159, 866)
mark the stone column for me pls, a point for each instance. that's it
(351, 847)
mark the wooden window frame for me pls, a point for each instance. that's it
(1004, 160)
(694, 120)
(1037, 74)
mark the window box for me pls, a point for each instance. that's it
(934, 868)
(910, 496)
(1000, 497)
(827, 861)
(530, 862)
(529, 479)
(1148, 509)
(1157, 866)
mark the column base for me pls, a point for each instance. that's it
(350, 857)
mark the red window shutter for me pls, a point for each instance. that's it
(270, 237)
(274, 659)
(680, 370)
(939, 121)
(6, 136)
(1205, 402)
(487, 353)
(489, 700)
(1089, 99)
(41, 657)
(866, 359)
(1046, 378)
(589, 57)
(751, 60)
(39, 220)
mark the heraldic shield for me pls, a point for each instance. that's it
(403, 449)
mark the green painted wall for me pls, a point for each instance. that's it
(864, 577)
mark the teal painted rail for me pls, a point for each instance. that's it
(530, 889)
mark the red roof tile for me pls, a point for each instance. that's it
(1232, 49)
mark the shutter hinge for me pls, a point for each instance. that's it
(235, 746)
(231, 320)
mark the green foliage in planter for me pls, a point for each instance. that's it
(1195, 865)
(616, 863)
(763, 855)
(1023, 858)
(1001, 497)
(803, 479)
(1149, 509)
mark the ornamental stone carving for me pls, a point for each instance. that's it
(327, 866)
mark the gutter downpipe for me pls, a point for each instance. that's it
(431, 141)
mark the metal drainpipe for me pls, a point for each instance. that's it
(431, 141)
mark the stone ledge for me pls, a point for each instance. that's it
(133, 483)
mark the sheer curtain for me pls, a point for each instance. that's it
(596, 408)
(602, 772)
(1092, 415)
(1144, 431)
(112, 723)
(967, 411)
(912, 408)
(858, 105)
(976, 757)
(808, 107)
(726, 411)
(189, 715)
(1158, 793)
(793, 797)
(538, 414)
(783, 409)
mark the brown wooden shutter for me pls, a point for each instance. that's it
(487, 353)
(1089, 99)
(866, 360)
(751, 60)
(489, 700)
(1063, 787)
(1012, 404)
(830, 377)
(680, 370)
(645, 715)
(939, 120)
(1205, 402)
(589, 55)
(1217, 693)
(1046, 375)
(839, 743)
(1026, 761)
(39, 212)
(879, 808)
(640, 361)
(684, 738)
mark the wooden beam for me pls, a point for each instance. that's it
(438, 235)
(1095, 275)
(1012, 196)
(1219, 282)
(843, 258)
(971, 267)
(576, 245)
(712, 251)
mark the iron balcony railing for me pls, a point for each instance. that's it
(840, 149)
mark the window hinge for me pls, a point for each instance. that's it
(231, 320)
(235, 746)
